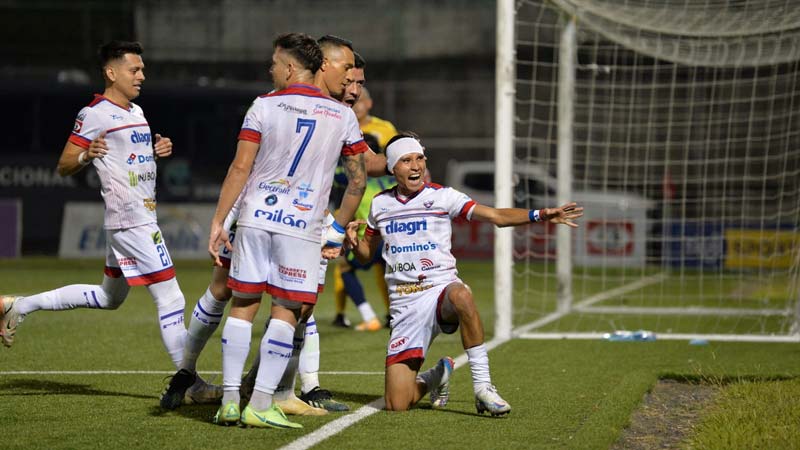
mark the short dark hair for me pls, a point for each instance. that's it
(360, 61)
(336, 41)
(372, 141)
(302, 47)
(404, 134)
(117, 49)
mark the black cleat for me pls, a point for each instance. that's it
(322, 398)
(341, 321)
(180, 382)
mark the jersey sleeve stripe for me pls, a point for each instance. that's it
(355, 149)
(466, 210)
(371, 231)
(79, 140)
(250, 135)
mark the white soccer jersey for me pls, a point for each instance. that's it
(416, 236)
(301, 133)
(128, 172)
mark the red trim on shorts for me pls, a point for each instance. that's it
(246, 287)
(309, 298)
(112, 272)
(405, 355)
(249, 135)
(320, 288)
(226, 262)
(152, 278)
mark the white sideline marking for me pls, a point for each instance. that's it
(334, 427)
(672, 337)
(143, 372)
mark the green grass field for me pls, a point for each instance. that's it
(565, 394)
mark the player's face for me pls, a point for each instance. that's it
(337, 61)
(127, 75)
(362, 106)
(355, 81)
(279, 69)
(409, 171)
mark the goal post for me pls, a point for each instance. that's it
(677, 126)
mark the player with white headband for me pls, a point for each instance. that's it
(414, 219)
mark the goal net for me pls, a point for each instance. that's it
(676, 124)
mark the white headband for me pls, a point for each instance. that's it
(399, 148)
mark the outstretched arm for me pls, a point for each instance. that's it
(509, 217)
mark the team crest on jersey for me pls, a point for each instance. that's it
(428, 204)
(150, 205)
(271, 199)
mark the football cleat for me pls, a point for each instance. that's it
(272, 417)
(441, 393)
(341, 321)
(322, 398)
(293, 406)
(9, 319)
(372, 325)
(488, 400)
(203, 393)
(172, 397)
(227, 414)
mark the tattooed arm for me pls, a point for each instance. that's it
(356, 172)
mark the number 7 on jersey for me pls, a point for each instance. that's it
(302, 123)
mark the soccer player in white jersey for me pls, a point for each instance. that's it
(333, 80)
(426, 295)
(112, 134)
(288, 148)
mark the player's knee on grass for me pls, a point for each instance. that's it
(114, 292)
(402, 391)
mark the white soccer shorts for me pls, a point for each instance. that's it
(139, 254)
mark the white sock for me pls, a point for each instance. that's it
(276, 350)
(285, 389)
(367, 313)
(309, 358)
(170, 305)
(479, 365)
(205, 319)
(235, 347)
(109, 295)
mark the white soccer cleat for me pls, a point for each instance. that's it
(9, 319)
(441, 393)
(487, 399)
(202, 393)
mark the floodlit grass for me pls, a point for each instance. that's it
(565, 394)
(752, 415)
